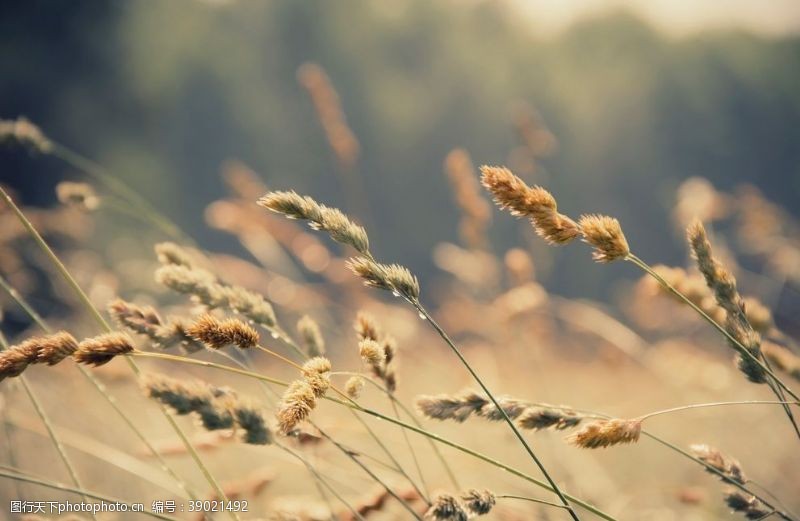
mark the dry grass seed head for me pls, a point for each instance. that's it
(513, 194)
(48, 349)
(447, 508)
(143, 320)
(479, 502)
(217, 334)
(371, 352)
(102, 349)
(605, 433)
(296, 405)
(540, 418)
(367, 328)
(311, 336)
(390, 277)
(353, 386)
(729, 467)
(604, 234)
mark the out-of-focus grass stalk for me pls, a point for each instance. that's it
(101, 388)
(107, 328)
(37, 405)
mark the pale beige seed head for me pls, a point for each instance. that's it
(447, 407)
(311, 336)
(353, 386)
(250, 304)
(102, 349)
(296, 405)
(605, 234)
(512, 193)
(605, 433)
(201, 284)
(217, 334)
(77, 195)
(371, 352)
(291, 204)
(169, 253)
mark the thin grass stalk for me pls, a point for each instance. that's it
(101, 389)
(107, 328)
(376, 414)
(26, 478)
(48, 425)
(561, 496)
(416, 421)
(376, 478)
(530, 499)
(413, 453)
(358, 418)
(775, 384)
(739, 347)
(322, 481)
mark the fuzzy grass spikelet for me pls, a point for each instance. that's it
(745, 504)
(604, 234)
(102, 349)
(353, 386)
(49, 349)
(389, 277)
(535, 203)
(296, 405)
(447, 508)
(311, 336)
(727, 466)
(605, 433)
(216, 333)
(478, 502)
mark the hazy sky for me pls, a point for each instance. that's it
(675, 16)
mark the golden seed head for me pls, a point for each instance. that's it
(48, 349)
(513, 194)
(540, 418)
(217, 334)
(296, 405)
(354, 386)
(77, 195)
(390, 277)
(479, 502)
(102, 349)
(201, 284)
(371, 352)
(311, 336)
(604, 433)
(447, 508)
(605, 235)
(55, 348)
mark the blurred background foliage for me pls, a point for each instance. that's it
(163, 93)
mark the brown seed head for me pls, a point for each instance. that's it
(478, 502)
(745, 504)
(446, 407)
(447, 508)
(367, 328)
(217, 334)
(540, 418)
(604, 433)
(143, 320)
(605, 235)
(48, 349)
(102, 349)
(169, 253)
